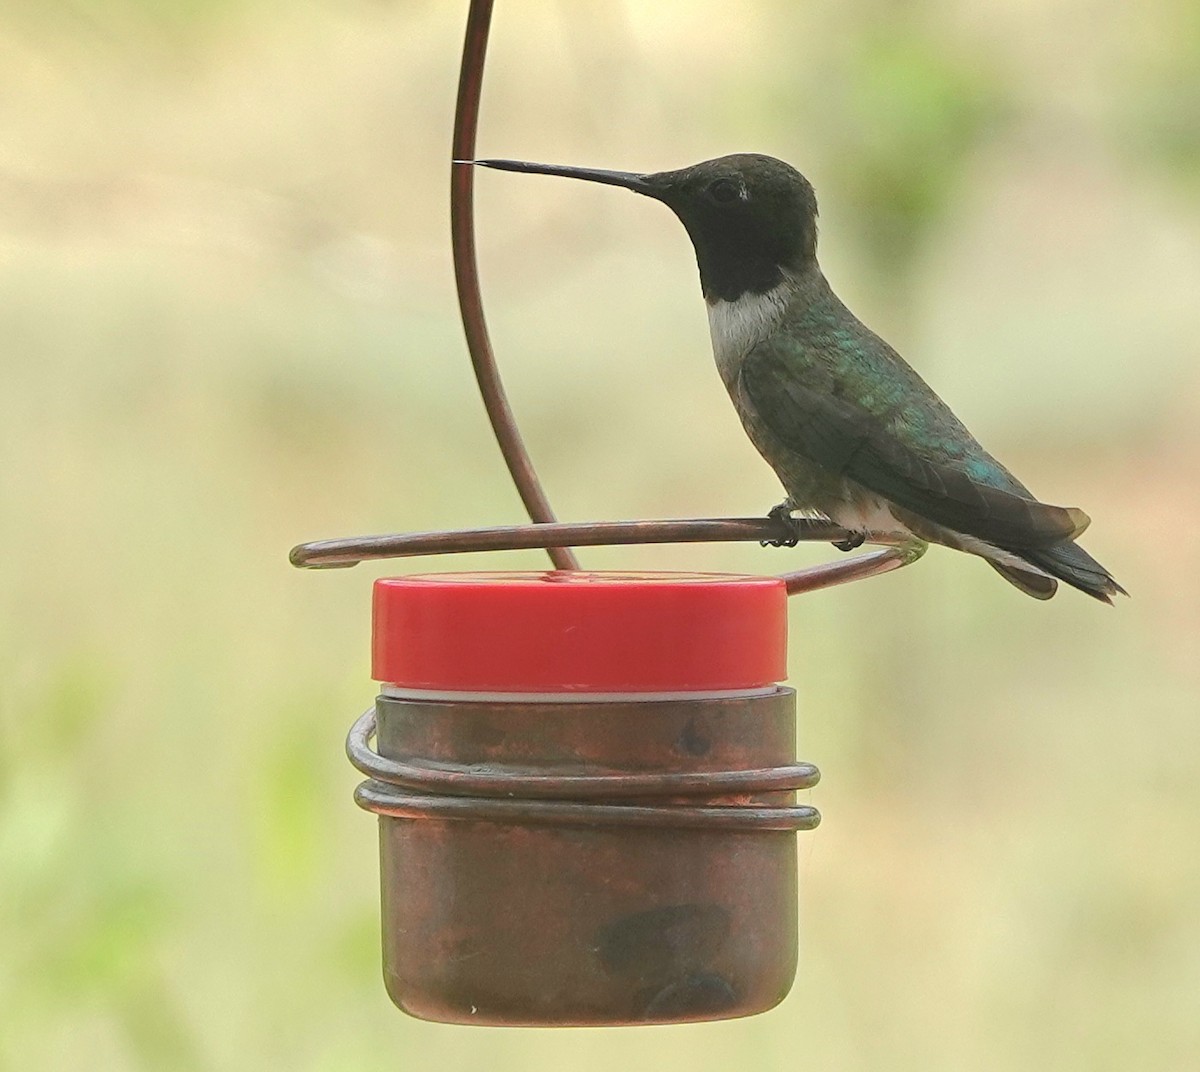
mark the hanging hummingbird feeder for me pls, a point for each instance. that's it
(585, 782)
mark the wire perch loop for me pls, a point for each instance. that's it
(336, 554)
(557, 538)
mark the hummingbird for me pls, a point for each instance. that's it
(852, 431)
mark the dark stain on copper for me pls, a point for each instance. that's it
(695, 740)
(661, 944)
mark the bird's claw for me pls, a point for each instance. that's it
(852, 542)
(782, 515)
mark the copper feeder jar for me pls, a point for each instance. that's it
(586, 789)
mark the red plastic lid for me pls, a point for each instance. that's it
(579, 632)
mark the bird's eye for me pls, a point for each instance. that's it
(724, 190)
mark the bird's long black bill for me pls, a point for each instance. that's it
(628, 179)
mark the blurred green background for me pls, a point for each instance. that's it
(227, 325)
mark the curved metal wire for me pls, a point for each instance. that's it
(342, 553)
(382, 799)
(349, 552)
(458, 780)
(658, 799)
(466, 275)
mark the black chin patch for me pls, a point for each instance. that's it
(728, 280)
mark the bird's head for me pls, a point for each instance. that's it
(751, 218)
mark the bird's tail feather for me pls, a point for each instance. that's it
(1032, 582)
(1071, 563)
(1033, 570)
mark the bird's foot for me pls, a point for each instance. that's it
(852, 542)
(782, 516)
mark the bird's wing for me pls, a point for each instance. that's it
(804, 412)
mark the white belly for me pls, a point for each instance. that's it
(738, 326)
(868, 513)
